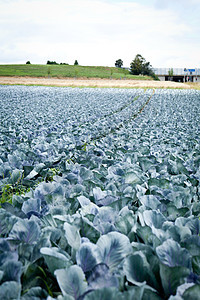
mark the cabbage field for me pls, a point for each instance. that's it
(99, 194)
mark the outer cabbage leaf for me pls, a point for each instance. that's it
(25, 231)
(100, 277)
(72, 235)
(87, 207)
(126, 221)
(105, 220)
(196, 264)
(192, 293)
(138, 270)
(171, 254)
(153, 218)
(55, 258)
(4, 245)
(35, 172)
(114, 247)
(180, 291)
(112, 293)
(6, 222)
(89, 230)
(10, 290)
(35, 293)
(150, 201)
(11, 270)
(51, 192)
(144, 232)
(192, 244)
(88, 256)
(172, 277)
(33, 207)
(194, 225)
(104, 294)
(132, 178)
(66, 297)
(13, 210)
(150, 295)
(15, 176)
(98, 194)
(71, 281)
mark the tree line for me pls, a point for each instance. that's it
(55, 63)
(49, 62)
(138, 66)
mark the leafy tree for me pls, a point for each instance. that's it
(136, 65)
(118, 63)
(28, 62)
(140, 66)
(171, 73)
(76, 62)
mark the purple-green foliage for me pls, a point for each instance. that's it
(112, 209)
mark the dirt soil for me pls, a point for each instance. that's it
(93, 82)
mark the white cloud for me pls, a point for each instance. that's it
(96, 32)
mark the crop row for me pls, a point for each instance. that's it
(111, 188)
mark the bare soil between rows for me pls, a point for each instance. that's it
(93, 82)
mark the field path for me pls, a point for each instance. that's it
(93, 82)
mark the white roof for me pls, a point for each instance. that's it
(177, 71)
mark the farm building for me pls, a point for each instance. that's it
(178, 74)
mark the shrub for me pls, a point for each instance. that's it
(51, 62)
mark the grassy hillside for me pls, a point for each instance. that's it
(66, 71)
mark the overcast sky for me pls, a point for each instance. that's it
(98, 32)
